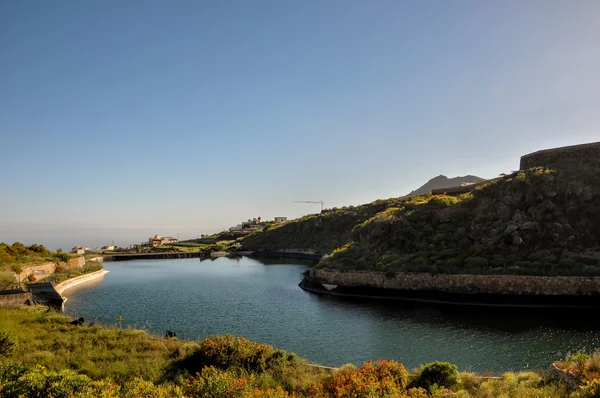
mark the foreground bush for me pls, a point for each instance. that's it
(7, 343)
(373, 379)
(440, 374)
(17, 381)
(56, 359)
(229, 352)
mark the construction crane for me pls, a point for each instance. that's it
(311, 201)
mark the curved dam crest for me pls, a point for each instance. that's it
(79, 280)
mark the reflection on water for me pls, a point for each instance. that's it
(261, 300)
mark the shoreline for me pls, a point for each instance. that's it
(438, 297)
(52, 295)
(78, 280)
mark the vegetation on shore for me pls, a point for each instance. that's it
(14, 258)
(43, 355)
(17, 253)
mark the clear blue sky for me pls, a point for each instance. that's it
(121, 119)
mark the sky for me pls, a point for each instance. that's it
(124, 119)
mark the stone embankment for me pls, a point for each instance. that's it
(69, 283)
(150, 256)
(476, 284)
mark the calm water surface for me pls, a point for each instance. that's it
(260, 300)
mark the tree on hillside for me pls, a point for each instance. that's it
(17, 269)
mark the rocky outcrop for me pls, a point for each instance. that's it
(41, 271)
(38, 272)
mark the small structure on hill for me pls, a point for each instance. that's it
(574, 157)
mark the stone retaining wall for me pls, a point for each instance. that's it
(69, 283)
(15, 300)
(487, 284)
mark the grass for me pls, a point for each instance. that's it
(48, 339)
(42, 354)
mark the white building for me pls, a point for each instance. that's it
(280, 219)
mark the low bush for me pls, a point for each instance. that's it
(230, 352)
(373, 379)
(443, 200)
(7, 343)
(476, 262)
(61, 257)
(441, 374)
(17, 381)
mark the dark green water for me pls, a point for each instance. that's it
(262, 302)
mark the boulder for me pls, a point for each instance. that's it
(516, 240)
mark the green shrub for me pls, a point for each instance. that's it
(7, 343)
(436, 373)
(579, 359)
(476, 262)
(498, 262)
(215, 383)
(225, 352)
(62, 257)
(443, 200)
(567, 262)
(439, 237)
(455, 263)
(39, 383)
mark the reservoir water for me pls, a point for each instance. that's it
(261, 301)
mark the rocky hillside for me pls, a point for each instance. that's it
(321, 232)
(442, 181)
(535, 222)
(540, 221)
(333, 227)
